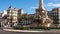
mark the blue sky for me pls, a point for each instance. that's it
(28, 6)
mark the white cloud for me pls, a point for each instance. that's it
(34, 7)
(54, 4)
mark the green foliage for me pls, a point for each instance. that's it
(48, 15)
(19, 17)
(26, 28)
(11, 17)
(26, 17)
(34, 28)
(21, 27)
(33, 17)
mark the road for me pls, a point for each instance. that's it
(52, 32)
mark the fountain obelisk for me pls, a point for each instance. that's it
(42, 12)
(41, 5)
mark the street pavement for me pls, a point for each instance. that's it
(46, 32)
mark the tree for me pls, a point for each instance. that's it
(19, 18)
(26, 17)
(33, 17)
(11, 18)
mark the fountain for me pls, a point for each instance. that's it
(46, 21)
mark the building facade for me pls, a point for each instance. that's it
(56, 16)
(12, 16)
